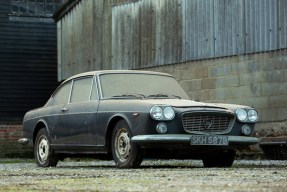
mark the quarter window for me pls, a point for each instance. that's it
(81, 90)
(62, 95)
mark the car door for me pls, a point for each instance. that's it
(78, 115)
(59, 100)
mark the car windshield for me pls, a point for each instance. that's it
(141, 86)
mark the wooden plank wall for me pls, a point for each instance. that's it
(85, 42)
(28, 65)
(173, 31)
(133, 34)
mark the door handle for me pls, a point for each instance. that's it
(64, 109)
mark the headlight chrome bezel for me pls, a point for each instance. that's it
(167, 113)
(251, 115)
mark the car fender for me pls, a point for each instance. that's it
(39, 126)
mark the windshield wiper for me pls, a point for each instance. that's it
(124, 96)
(161, 95)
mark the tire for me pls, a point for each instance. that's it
(44, 155)
(125, 153)
(223, 158)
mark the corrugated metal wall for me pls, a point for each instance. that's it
(171, 31)
(131, 34)
(28, 65)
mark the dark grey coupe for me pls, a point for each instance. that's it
(128, 115)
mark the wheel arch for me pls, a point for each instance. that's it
(111, 125)
(40, 124)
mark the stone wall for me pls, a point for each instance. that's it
(258, 80)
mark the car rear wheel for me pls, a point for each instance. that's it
(125, 153)
(224, 158)
(44, 155)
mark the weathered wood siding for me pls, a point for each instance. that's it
(28, 65)
(173, 31)
(84, 38)
(132, 34)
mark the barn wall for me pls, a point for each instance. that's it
(133, 34)
(28, 68)
(219, 50)
(175, 31)
(84, 38)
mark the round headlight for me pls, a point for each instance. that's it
(156, 112)
(168, 113)
(252, 115)
(241, 114)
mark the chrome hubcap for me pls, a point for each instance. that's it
(43, 149)
(122, 145)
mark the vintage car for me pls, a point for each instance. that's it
(128, 115)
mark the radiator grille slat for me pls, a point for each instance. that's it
(206, 122)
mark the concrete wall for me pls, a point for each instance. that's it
(258, 80)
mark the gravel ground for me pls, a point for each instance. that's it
(154, 175)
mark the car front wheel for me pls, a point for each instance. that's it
(44, 155)
(224, 158)
(125, 153)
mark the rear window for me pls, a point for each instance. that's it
(62, 94)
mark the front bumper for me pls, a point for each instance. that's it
(24, 141)
(144, 140)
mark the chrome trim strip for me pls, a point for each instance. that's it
(184, 138)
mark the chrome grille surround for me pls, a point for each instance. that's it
(207, 122)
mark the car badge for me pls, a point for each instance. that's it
(207, 124)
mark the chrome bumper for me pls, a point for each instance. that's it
(23, 141)
(182, 139)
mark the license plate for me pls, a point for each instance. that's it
(209, 140)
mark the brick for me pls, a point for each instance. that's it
(274, 88)
(177, 75)
(282, 114)
(227, 81)
(225, 93)
(248, 78)
(195, 85)
(278, 101)
(280, 63)
(185, 85)
(274, 76)
(269, 114)
(195, 73)
(208, 83)
(199, 73)
(256, 102)
(242, 68)
(224, 70)
(187, 75)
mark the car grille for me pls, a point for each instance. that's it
(193, 122)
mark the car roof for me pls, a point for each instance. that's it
(92, 73)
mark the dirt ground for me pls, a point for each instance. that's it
(172, 175)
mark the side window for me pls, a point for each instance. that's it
(62, 95)
(81, 90)
(94, 95)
